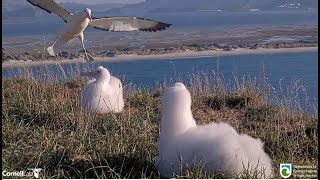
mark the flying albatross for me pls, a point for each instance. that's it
(77, 23)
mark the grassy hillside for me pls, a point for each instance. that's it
(43, 126)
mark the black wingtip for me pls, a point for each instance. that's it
(159, 27)
(38, 6)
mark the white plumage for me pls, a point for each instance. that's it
(77, 23)
(103, 93)
(218, 147)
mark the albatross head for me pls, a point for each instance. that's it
(176, 100)
(176, 115)
(87, 12)
(101, 74)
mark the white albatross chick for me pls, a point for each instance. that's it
(103, 93)
(217, 147)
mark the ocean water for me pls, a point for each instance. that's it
(281, 73)
(53, 24)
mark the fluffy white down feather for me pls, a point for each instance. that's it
(182, 143)
(103, 93)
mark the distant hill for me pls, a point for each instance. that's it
(23, 11)
(21, 8)
(10, 5)
(159, 6)
(75, 7)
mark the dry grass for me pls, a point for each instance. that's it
(44, 127)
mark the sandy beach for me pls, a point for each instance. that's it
(168, 56)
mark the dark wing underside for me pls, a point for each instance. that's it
(52, 7)
(122, 24)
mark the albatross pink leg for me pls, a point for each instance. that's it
(89, 58)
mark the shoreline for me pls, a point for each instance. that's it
(166, 56)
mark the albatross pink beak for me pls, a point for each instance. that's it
(89, 17)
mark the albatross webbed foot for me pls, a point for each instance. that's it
(89, 58)
(51, 51)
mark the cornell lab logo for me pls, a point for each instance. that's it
(29, 173)
(285, 170)
(35, 171)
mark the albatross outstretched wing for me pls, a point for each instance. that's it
(51, 7)
(127, 24)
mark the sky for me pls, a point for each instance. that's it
(101, 1)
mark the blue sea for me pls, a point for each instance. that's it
(52, 24)
(280, 73)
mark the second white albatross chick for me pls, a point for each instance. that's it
(218, 147)
(103, 93)
(77, 23)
